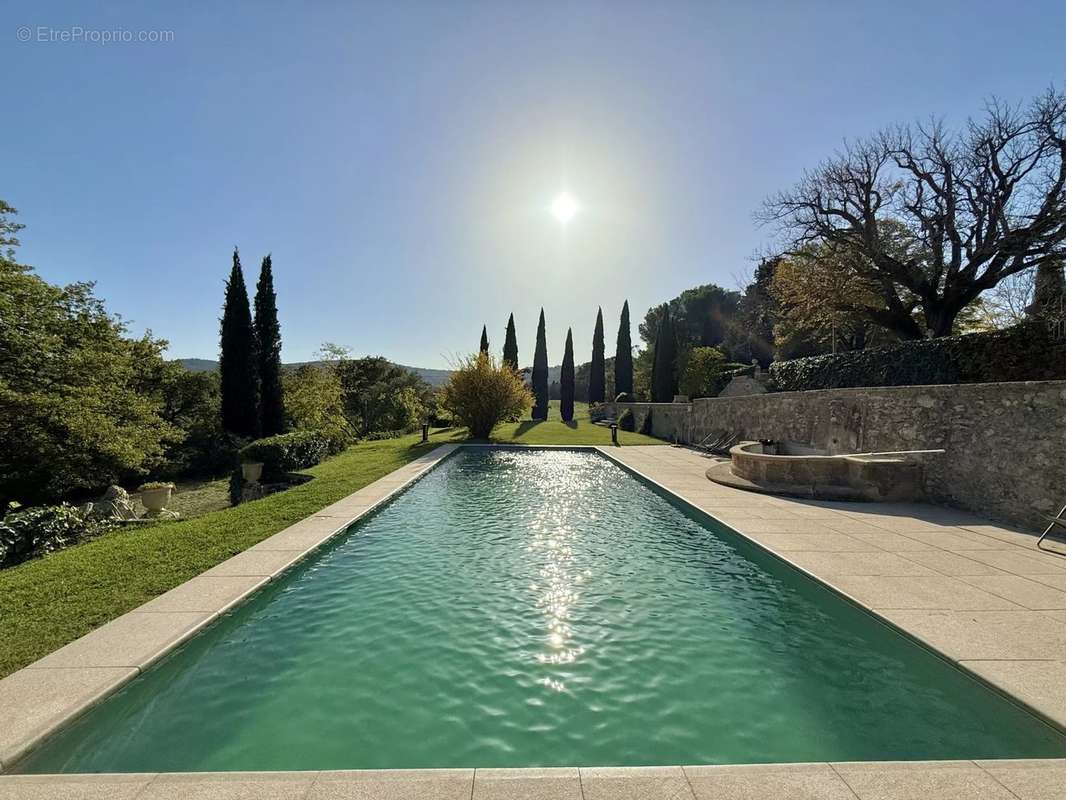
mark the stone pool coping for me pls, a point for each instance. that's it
(910, 780)
(963, 587)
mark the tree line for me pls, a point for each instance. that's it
(594, 373)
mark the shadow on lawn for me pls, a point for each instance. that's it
(526, 425)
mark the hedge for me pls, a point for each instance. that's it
(1022, 353)
(287, 452)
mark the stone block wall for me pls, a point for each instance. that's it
(1005, 442)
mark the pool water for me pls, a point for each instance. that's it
(529, 608)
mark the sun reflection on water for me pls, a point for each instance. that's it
(557, 591)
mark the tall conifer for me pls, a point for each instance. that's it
(484, 339)
(623, 356)
(268, 347)
(566, 380)
(510, 345)
(237, 362)
(597, 378)
(540, 372)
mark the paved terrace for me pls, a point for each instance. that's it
(978, 593)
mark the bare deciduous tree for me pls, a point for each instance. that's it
(978, 205)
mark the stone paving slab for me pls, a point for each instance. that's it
(919, 780)
(911, 780)
(40, 701)
(765, 781)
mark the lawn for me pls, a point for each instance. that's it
(50, 601)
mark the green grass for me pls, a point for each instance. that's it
(193, 498)
(53, 600)
(554, 431)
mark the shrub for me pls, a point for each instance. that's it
(145, 487)
(44, 529)
(626, 421)
(1023, 353)
(287, 452)
(482, 393)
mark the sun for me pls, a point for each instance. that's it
(564, 207)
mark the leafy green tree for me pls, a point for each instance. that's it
(75, 413)
(623, 356)
(540, 372)
(566, 380)
(268, 351)
(8, 231)
(510, 345)
(484, 339)
(314, 401)
(701, 369)
(700, 317)
(664, 362)
(375, 393)
(238, 363)
(597, 377)
(189, 402)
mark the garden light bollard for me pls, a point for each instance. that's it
(425, 432)
(614, 433)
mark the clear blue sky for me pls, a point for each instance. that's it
(398, 158)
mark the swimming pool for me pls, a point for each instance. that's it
(530, 608)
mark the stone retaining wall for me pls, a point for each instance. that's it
(1005, 442)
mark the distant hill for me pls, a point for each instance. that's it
(434, 377)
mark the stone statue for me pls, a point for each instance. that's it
(114, 505)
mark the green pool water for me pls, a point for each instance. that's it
(529, 608)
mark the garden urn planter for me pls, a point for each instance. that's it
(252, 470)
(156, 499)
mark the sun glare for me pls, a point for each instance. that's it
(564, 207)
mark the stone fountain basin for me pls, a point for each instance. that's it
(796, 470)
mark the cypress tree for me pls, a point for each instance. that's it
(566, 380)
(597, 379)
(268, 350)
(510, 345)
(664, 361)
(540, 372)
(623, 356)
(484, 339)
(237, 363)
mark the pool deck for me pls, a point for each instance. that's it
(978, 593)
